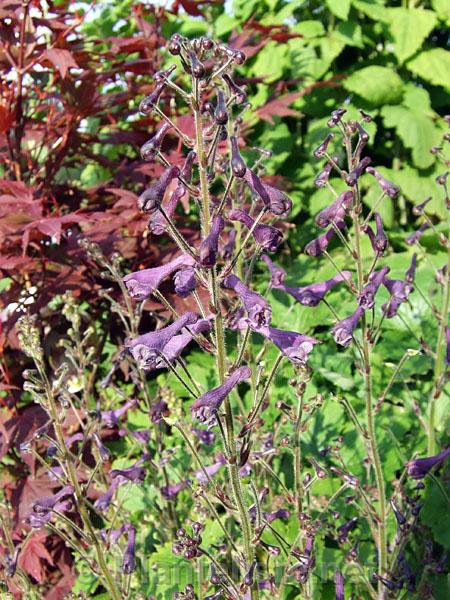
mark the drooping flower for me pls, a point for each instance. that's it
(238, 165)
(152, 197)
(268, 237)
(159, 410)
(418, 208)
(311, 295)
(173, 349)
(277, 273)
(381, 240)
(147, 348)
(322, 148)
(185, 281)
(411, 272)
(420, 467)
(105, 454)
(337, 211)
(344, 530)
(416, 235)
(317, 246)
(170, 492)
(129, 556)
(45, 505)
(352, 178)
(204, 435)
(147, 104)
(135, 473)
(37, 520)
(221, 112)
(150, 148)
(229, 246)
(339, 585)
(322, 178)
(142, 284)
(390, 189)
(205, 407)
(110, 418)
(275, 200)
(210, 245)
(343, 331)
(239, 93)
(366, 298)
(336, 116)
(295, 346)
(399, 291)
(211, 470)
(258, 309)
(10, 561)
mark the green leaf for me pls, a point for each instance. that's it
(433, 66)
(309, 29)
(442, 8)
(340, 8)
(375, 11)
(271, 62)
(435, 513)
(377, 85)
(409, 27)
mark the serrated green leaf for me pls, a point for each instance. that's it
(377, 85)
(409, 27)
(433, 66)
(436, 512)
(340, 8)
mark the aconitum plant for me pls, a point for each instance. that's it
(269, 521)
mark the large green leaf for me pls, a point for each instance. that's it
(340, 8)
(409, 27)
(377, 85)
(433, 66)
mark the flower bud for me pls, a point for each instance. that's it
(150, 148)
(220, 112)
(322, 148)
(238, 165)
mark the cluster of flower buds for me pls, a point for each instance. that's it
(187, 545)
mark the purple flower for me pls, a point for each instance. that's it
(241, 94)
(209, 246)
(238, 165)
(111, 417)
(352, 178)
(345, 529)
(389, 188)
(45, 505)
(135, 473)
(322, 148)
(311, 295)
(281, 513)
(170, 492)
(343, 331)
(275, 200)
(147, 104)
(211, 470)
(150, 148)
(152, 197)
(173, 349)
(336, 116)
(206, 437)
(418, 208)
(416, 235)
(184, 281)
(159, 410)
(10, 561)
(295, 346)
(114, 535)
(229, 246)
(277, 273)
(105, 454)
(339, 585)
(322, 178)
(258, 309)
(142, 284)
(411, 272)
(399, 291)
(205, 407)
(420, 467)
(366, 298)
(381, 240)
(220, 112)
(320, 244)
(147, 348)
(129, 559)
(37, 520)
(268, 237)
(337, 211)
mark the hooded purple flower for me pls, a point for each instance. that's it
(336, 212)
(343, 331)
(339, 585)
(275, 200)
(418, 208)
(147, 104)
(277, 273)
(411, 272)
(238, 165)
(150, 148)
(206, 437)
(209, 246)
(320, 244)
(147, 348)
(113, 535)
(268, 237)
(345, 529)
(158, 410)
(229, 246)
(205, 407)
(389, 188)
(322, 178)
(142, 284)
(185, 282)
(45, 505)
(399, 291)
(416, 235)
(295, 346)
(380, 240)
(37, 520)
(366, 298)
(420, 467)
(110, 418)
(352, 178)
(258, 309)
(152, 197)
(311, 295)
(211, 470)
(322, 148)
(170, 492)
(129, 558)
(174, 348)
(135, 473)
